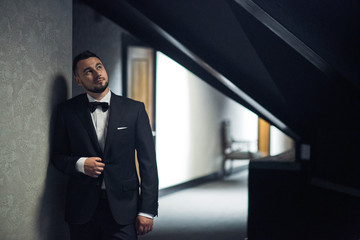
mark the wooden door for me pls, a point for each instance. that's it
(264, 137)
(140, 81)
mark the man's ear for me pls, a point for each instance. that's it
(77, 80)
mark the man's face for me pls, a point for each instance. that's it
(91, 75)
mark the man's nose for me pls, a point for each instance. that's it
(97, 72)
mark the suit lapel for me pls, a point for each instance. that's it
(116, 114)
(85, 117)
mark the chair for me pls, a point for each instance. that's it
(234, 149)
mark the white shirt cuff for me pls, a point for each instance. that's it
(148, 215)
(80, 165)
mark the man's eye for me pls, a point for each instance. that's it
(87, 72)
(99, 67)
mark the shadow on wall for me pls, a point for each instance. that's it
(50, 223)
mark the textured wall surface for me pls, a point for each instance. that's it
(35, 75)
(94, 32)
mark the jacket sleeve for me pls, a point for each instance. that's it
(145, 148)
(62, 157)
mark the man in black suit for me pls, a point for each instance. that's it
(96, 136)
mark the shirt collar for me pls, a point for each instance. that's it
(106, 98)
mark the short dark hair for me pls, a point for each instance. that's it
(84, 55)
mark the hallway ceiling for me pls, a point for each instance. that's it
(304, 70)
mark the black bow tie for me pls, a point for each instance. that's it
(94, 105)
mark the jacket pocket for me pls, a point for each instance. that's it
(130, 185)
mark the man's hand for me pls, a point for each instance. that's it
(93, 167)
(144, 225)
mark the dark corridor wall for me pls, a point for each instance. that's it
(94, 32)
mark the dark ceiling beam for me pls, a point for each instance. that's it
(257, 12)
(127, 16)
(221, 78)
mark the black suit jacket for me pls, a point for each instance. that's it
(128, 129)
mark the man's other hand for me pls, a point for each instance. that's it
(93, 167)
(144, 225)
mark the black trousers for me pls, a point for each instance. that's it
(102, 226)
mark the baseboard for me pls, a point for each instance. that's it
(197, 181)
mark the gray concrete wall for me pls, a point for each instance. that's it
(35, 75)
(94, 32)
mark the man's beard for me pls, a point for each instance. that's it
(98, 89)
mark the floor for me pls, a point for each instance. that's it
(212, 211)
